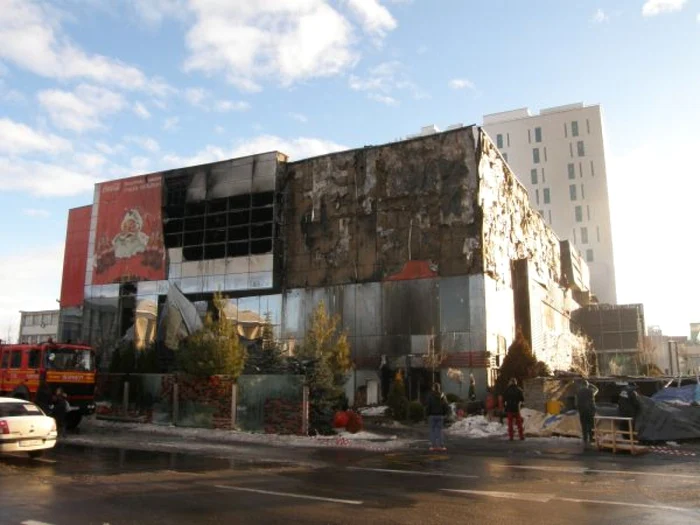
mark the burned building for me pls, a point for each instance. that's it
(422, 247)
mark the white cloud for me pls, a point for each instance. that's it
(29, 280)
(204, 100)
(376, 19)
(461, 83)
(90, 161)
(698, 17)
(44, 179)
(82, 109)
(32, 38)
(600, 16)
(219, 129)
(384, 99)
(109, 149)
(17, 138)
(147, 143)
(384, 80)
(140, 164)
(152, 12)
(252, 41)
(657, 7)
(299, 117)
(229, 105)
(296, 149)
(141, 111)
(171, 123)
(36, 212)
(196, 96)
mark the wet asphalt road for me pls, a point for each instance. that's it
(478, 482)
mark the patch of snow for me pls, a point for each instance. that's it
(672, 444)
(136, 431)
(364, 435)
(476, 427)
(373, 411)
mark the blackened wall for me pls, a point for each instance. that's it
(360, 215)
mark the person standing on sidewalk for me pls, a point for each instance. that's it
(514, 399)
(436, 409)
(585, 403)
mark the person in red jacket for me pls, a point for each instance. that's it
(514, 399)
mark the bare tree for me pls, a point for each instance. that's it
(433, 359)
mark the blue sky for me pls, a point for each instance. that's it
(91, 90)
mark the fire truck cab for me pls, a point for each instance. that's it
(23, 367)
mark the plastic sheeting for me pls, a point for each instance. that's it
(684, 395)
(661, 421)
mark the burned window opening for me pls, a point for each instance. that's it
(226, 227)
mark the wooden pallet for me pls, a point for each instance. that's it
(617, 433)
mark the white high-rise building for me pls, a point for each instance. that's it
(559, 156)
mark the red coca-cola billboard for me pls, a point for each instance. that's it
(129, 235)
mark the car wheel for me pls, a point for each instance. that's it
(35, 454)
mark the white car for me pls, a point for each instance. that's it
(25, 428)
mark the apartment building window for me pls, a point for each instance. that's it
(543, 179)
(529, 137)
(580, 149)
(533, 175)
(536, 155)
(592, 170)
(588, 212)
(579, 213)
(537, 197)
(538, 134)
(545, 195)
(580, 169)
(583, 195)
(571, 149)
(566, 132)
(574, 128)
(589, 255)
(499, 141)
(572, 171)
(575, 242)
(545, 153)
(505, 157)
(550, 216)
(542, 213)
(508, 139)
(597, 233)
(572, 192)
(584, 235)
(588, 126)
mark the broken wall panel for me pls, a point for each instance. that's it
(360, 215)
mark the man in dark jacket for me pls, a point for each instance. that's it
(585, 403)
(514, 399)
(436, 409)
(628, 406)
(60, 409)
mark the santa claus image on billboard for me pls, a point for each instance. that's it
(130, 240)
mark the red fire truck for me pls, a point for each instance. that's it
(72, 367)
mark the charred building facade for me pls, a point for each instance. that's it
(422, 247)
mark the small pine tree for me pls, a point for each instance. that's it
(520, 362)
(266, 356)
(327, 353)
(397, 400)
(216, 348)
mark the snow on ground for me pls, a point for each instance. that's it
(364, 435)
(373, 411)
(476, 427)
(137, 431)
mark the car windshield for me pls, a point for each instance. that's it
(19, 409)
(70, 359)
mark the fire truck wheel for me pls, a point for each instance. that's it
(73, 420)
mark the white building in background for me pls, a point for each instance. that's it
(38, 327)
(559, 156)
